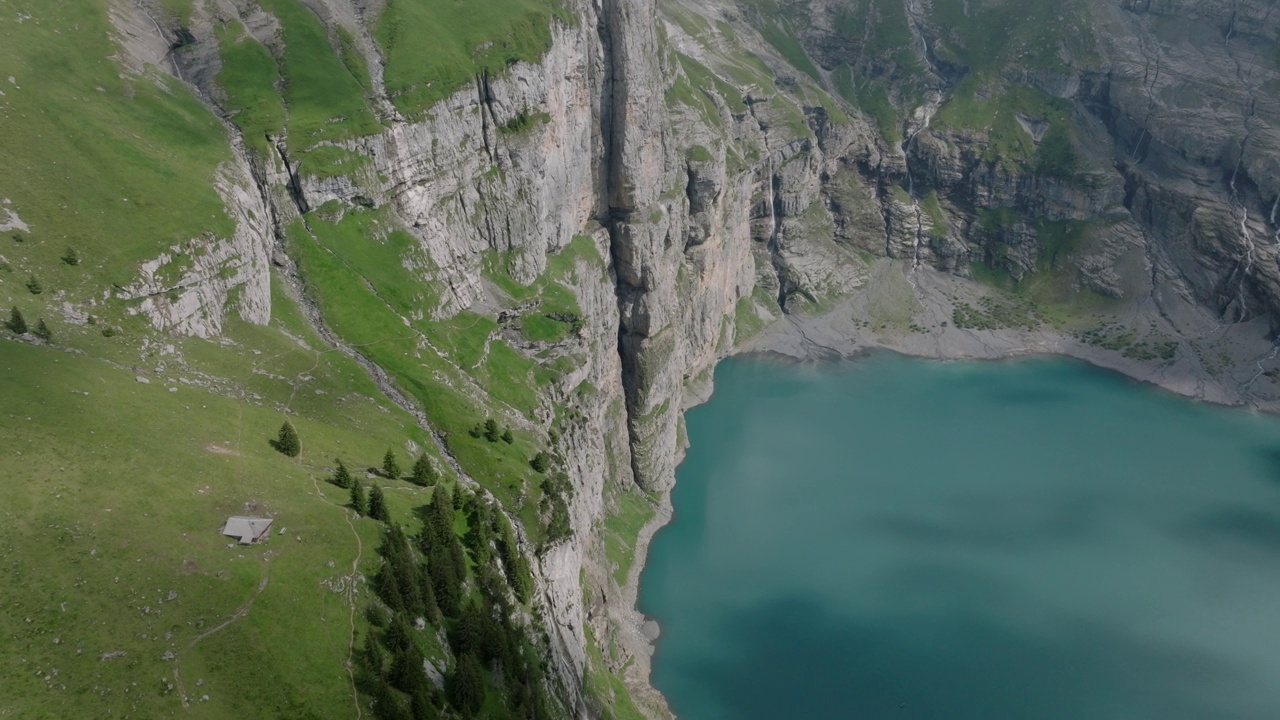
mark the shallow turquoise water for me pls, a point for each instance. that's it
(896, 538)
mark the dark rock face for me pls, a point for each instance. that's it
(1170, 112)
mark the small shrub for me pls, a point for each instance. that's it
(539, 462)
(71, 257)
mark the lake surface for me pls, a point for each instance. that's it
(898, 538)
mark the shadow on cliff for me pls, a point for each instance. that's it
(792, 659)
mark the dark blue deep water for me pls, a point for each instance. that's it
(897, 538)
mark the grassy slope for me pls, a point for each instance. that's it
(117, 167)
(325, 96)
(117, 497)
(466, 38)
(250, 77)
(138, 154)
(357, 286)
(113, 498)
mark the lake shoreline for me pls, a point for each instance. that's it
(903, 388)
(1238, 379)
(831, 336)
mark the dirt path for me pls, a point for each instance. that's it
(241, 612)
(350, 592)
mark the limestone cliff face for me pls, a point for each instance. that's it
(1171, 109)
(724, 188)
(475, 178)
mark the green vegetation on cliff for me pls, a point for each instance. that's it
(325, 96)
(433, 48)
(250, 78)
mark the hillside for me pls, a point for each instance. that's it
(388, 222)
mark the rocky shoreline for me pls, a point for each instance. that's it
(1239, 376)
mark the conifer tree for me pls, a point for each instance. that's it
(17, 323)
(420, 704)
(287, 443)
(466, 685)
(341, 476)
(398, 636)
(390, 465)
(406, 669)
(388, 589)
(71, 257)
(439, 520)
(376, 616)
(42, 331)
(507, 437)
(377, 504)
(491, 430)
(424, 473)
(34, 286)
(428, 595)
(358, 501)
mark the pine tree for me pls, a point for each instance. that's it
(71, 257)
(376, 616)
(420, 704)
(42, 331)
(34, 286)
(439, 519)
(341, 476)
(287, 443)
(507, 437)
(377, 504)
(406, 669)
(491, 430)
(17, 323)
(424, 473)
(398, 635)
(428, 594)
(358, 501)
(466, 685)
(390, 465)
(446, 560)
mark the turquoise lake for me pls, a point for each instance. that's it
(899, 538)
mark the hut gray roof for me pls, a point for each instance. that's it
(247, 529)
